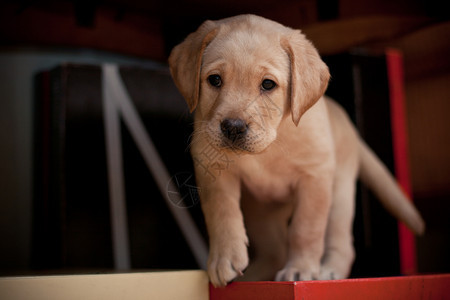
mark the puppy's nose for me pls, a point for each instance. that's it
(234, 129)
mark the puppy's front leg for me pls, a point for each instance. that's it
(220, 200)
(307, 229)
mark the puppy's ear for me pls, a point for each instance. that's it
(309, 74)
(186, 59)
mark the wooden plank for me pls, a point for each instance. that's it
(188, 285)
(338, 36)
(135, 34)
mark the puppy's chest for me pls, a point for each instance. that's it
(269, 182)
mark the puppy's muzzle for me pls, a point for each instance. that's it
(234, 130)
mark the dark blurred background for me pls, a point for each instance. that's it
(39, 38)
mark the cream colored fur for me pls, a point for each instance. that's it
(282, 176)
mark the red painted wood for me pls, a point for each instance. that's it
(408, 287)
(261, 290)
(428, 287)
(394, 61)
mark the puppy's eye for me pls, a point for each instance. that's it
(215, 80)
(268, 85)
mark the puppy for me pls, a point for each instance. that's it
(275, 161)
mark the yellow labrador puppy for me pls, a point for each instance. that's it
(275, 161)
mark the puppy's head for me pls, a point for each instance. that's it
(244, 75)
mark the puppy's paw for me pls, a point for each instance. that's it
(293, 272)
(337, 263)
(328, 274)
(331, 273)
(227, 261)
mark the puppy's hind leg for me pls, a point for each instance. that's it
(339, 252)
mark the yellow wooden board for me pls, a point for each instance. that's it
(185, 285)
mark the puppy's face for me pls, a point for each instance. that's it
(243, 91)
(244, 75)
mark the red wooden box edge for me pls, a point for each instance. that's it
(402, 287)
